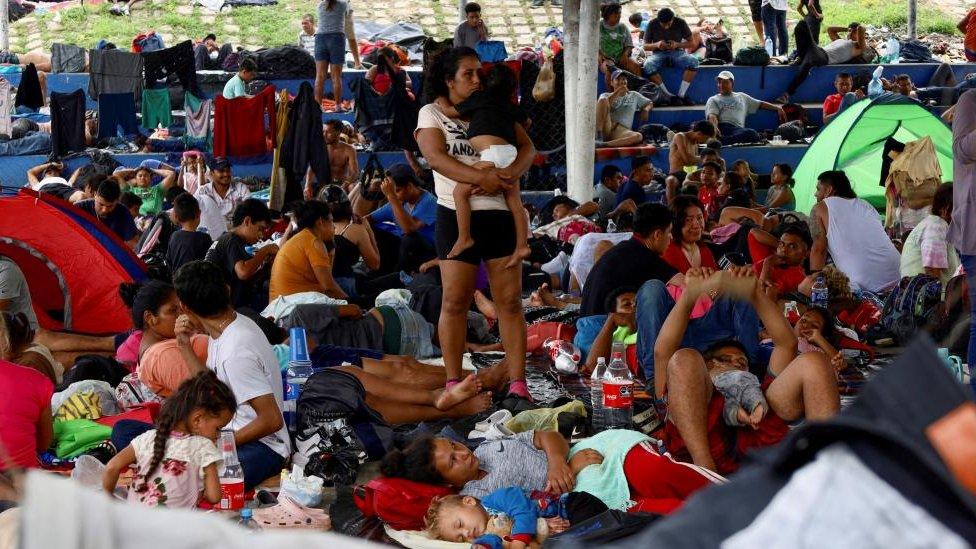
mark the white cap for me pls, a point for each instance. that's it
(725, 75)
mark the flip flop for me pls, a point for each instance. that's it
(497, 418)
(289, 514)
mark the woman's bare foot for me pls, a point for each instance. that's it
(459, 246)
(521, 254)
(466, 389)
(474, 405)
(484, 305)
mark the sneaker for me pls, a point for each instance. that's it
(685, 102)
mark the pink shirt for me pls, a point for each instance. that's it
(24, 394)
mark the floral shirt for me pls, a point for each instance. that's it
(178, 480)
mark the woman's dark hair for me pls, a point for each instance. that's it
(415, 462)
(500, 82)
(838, 180)
(386, 60)
(140, 298)
(445, 66)
(942, 201)
(202, 391)
(828, 330)
(787, 172)
(19, 331)
(341, 211)
(202, 288)
(308, 213)
(678, 212)
(609, 9)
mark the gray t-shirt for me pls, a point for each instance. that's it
(732, 109)
(606, 198)
(839, 51)
(508, 462)
(467, 36)
(622, 110)
(331, 21)
(13, 288)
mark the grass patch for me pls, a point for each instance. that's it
(886, 13)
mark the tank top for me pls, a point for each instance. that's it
(346, 255)
(839, 51)
(858, 244)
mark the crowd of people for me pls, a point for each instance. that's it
(703, 273)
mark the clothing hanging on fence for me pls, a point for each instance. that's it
(197, 116)
(177, 60)
(117, 110)
(67, 58)
(239, 124)
(67, 122)
(374, 114)
(304, 146)
(6, 123)
(114, 71)
(29, 91)
(156, 108)
(276, 194)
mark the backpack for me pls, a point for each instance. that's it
(912, 306)
(95, 367)
(751, 56)
(916, 173)
(491, 51)
(656, 94)
(398, 502)
(719, 48)
(147, 41)
(608, 526)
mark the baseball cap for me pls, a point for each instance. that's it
(616, 74)
(219, 163)
(725, 75)
(403, 174)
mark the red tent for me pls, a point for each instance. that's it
(73, 264)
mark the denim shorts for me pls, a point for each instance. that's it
(330, 47)
(676, 58)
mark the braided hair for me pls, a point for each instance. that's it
(202, 391)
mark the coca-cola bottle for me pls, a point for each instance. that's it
(232, 476)
(618, 395)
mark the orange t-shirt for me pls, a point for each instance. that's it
(293, 268)
(969, 42)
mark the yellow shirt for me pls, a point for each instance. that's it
(292, 271)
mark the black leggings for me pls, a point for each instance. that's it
(808, 52)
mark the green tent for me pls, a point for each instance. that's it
(854, 140)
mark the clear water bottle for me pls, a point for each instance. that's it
(618, 394)
(893, 49)
(874, 87)
(769, 46)
(536, 222)
(232, 477)
(298, 372)
(247, 520)
(598, 420)
(819, 296)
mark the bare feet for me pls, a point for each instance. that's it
(521, 254)
(484, 305)
(474, 405)
(753, 419)
(449, 398)
(459, 246)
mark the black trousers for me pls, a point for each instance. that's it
(808, 52)
(406, 253)
(201, 57)
(67, 122)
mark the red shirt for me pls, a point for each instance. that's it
(676, 257)
(786, 279)
(832, 104)
(969, 42)
(24, 394)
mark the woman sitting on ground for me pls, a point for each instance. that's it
(24, 351)
(687, 249)
(25, 406)
(632, 472)
(353, 241)
(780, 193)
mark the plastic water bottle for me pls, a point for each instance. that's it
(618, 395)
(874, 87)
(298, 372)
(232, 477)
(536, 222)
(769, 46)
(598, 421)
(247, 520)
(893, 48)
(611, 226)
(819, 296)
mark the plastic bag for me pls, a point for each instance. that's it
(545, 84)
(305, 490)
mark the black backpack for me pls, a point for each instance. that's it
(752, 56)
(94, 367)
(719, 48)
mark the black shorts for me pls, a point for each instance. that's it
(493, 232)
(755, 9)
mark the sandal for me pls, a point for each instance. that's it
(289, 514)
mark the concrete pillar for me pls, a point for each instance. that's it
(4, 26)
(571, 26)
(579, 158)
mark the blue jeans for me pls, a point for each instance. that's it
(945, 95)
(258, 461)
(969, 264)
(732, 134)
(676, 58)
(727, 319)
(331, 48)
(32, 143)
(774, 27)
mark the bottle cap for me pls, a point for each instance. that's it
(246, 513)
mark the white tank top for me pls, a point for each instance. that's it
(859, 245)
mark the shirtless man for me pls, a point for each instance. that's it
(40, 59)
(342, 161)
(684, 152)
